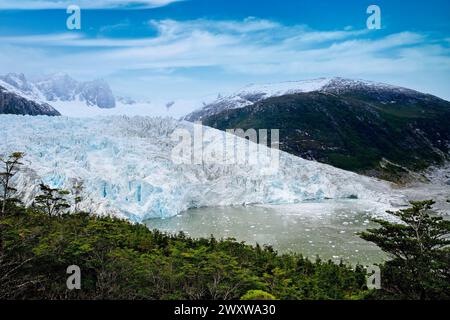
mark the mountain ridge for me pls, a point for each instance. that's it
(60, 87)
(253, 93)
(366, 127)
(12, 102)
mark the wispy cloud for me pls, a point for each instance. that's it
(42, 39)
(123, 25)
(84, 4)
(250, 48)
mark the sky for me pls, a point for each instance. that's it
(193, 49)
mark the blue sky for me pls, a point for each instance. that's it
(191, 49)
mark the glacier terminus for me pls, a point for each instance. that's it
(126, 167)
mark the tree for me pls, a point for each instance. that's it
(78, 190)
(51, 201)
(257, 295)
(419, 247)
(14, 283)
(11, 166)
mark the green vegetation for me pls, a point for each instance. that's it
(350, 131)
(257, 295)
(420, 247)
(51, 201)
(120, 260)
(11, 166)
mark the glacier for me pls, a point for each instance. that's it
(125, 164)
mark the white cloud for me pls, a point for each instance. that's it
(42, 39)
(250, 49)
(248, 25)
(84, 4)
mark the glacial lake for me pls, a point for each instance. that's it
(326, 229)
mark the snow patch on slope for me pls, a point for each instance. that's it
(283, 88)
(258, 92)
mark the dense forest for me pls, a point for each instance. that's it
(121, 260)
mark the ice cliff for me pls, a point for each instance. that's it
(127, 169)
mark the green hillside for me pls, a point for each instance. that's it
(354, 131)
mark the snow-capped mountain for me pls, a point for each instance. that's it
(127, 169)
(13, 101)
(58, 89)
(258, 92)
(367, 127)
(92, 98)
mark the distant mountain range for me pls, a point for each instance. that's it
(86, 99)
(61, 88)
(362, 126)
